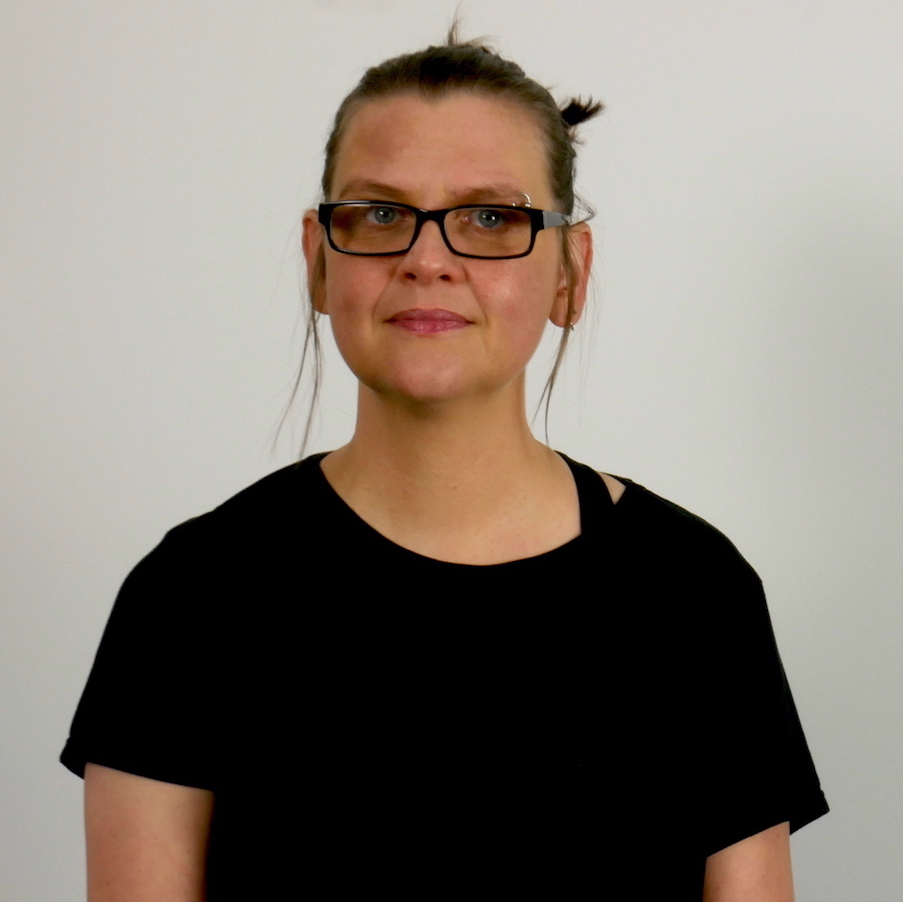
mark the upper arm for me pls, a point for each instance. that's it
(756, 869)
(146, 840)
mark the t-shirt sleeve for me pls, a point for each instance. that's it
(756, 767)
(148, 707)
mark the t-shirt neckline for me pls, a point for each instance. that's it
(596, 510)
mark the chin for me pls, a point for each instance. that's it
(426, 392)
(423, 385)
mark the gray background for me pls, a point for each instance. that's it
(743, 357)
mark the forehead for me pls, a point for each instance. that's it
(451, 146)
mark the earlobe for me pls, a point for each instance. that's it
(580, 245)
(312, 245)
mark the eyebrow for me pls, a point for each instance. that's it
(366, 190)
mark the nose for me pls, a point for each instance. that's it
(430, 258)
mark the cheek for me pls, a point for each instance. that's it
(517, 328)
(349, 285)
(525, 303)
(345, 291)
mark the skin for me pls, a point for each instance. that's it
(146, 840)
(485, 151)
(441, 427)
(442, 423)
(754, 870)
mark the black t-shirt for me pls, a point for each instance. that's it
(589, 723)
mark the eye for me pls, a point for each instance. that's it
(383, 215)
(488, 219)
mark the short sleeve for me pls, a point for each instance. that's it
(149, 706)
(757, 769)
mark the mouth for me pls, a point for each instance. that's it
(428, 322)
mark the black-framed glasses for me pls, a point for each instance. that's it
(369, 228)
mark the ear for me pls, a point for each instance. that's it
(312, 244)
(580, 242)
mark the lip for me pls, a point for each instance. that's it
(428, 322)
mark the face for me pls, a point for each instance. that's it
(430, 326)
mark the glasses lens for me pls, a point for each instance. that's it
(489, 231)
(372, 228)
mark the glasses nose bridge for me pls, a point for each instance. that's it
(437, 216)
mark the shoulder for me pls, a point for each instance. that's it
(643, 508)
(665, 542)
(648, 538)
(283, 500)
(249, 540)
(212, 593)
(212, 577)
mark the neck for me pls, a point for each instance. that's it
(424, 461)
(465, 482)
(441, 443)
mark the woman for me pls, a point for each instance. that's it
(517, 677)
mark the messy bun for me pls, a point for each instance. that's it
(579, 110)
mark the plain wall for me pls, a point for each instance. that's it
(743, 357)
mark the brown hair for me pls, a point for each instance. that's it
(433, 73)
